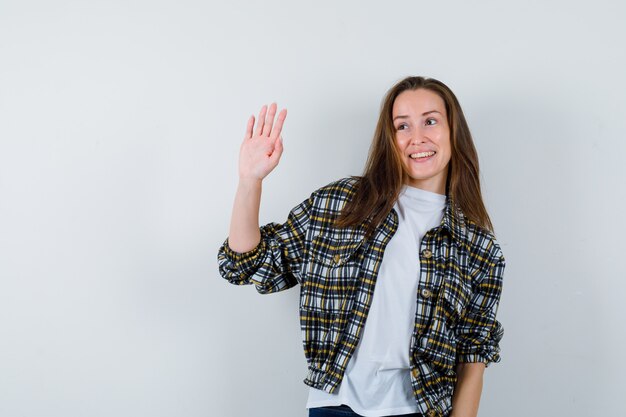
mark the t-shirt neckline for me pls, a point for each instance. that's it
(415, 193)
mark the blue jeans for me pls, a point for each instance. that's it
(341, 411)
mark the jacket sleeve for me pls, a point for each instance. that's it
(275, 263)
(478, 332)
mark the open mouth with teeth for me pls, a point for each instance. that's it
(420, 156)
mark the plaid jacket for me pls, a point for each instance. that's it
(460, 283)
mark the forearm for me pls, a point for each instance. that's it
(244, 232)
(468, 389)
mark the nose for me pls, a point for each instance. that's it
(418, 136)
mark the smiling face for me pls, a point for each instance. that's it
(423, 138)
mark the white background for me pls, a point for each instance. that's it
(120, 125)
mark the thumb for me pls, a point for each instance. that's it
(278, 149)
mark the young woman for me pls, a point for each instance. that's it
(400, 273)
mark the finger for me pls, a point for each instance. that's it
(267, 128)
(249, 127)
(278, 150)
(261, 121)
(278, 127)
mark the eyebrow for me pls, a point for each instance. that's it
(402, 116)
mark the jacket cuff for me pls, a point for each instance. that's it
(492, 357)
(238, 257)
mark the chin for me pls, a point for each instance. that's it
(420, 176)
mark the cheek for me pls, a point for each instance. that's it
(401, 139)
(445, 154)
(445, 145)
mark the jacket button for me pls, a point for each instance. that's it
(426, 292)
(336, 258)
(426, 253)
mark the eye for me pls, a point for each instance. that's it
(401, 126)
(429, 119)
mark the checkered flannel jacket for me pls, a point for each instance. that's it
(460, 283)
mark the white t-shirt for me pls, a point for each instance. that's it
(377, 380)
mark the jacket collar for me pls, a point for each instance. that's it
(454, 221)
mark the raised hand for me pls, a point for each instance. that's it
(260, 150)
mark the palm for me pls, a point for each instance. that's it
(262, 147)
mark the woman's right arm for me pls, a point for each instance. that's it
(271, 256)
(258, 155)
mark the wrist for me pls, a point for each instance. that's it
(250, 182)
